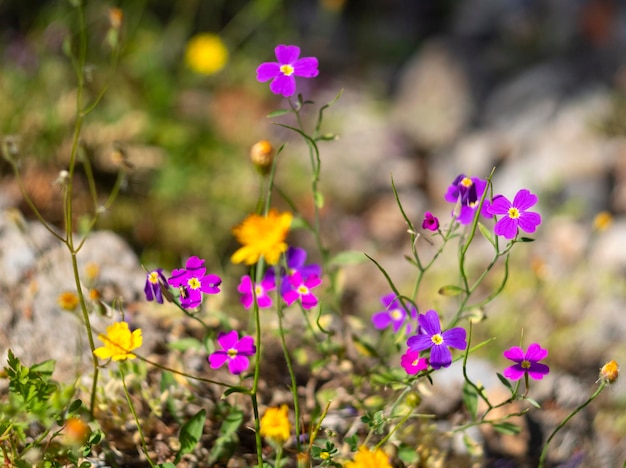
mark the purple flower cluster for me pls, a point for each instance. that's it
(297, 281)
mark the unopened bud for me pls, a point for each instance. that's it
(609, 372)
(10, 148)
(116, 16)
(413, 399)
(262, 156)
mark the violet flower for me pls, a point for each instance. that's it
(249, 290)
(234, 351)
(526, 362)
(394, 314)
(192, 282)
(302, 290)
(465, 193)
(430, 222)
(152, 289)
(515, 215)
(295, 259)
(283, 72)
(431, 337)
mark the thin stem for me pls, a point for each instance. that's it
(544, 452)
(134, 413)
(292, 375)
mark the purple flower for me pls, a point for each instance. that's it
(526, 363)
(432, 338)
(466, 193)
(152, 289)
(294, 259)
(235, 351)
(283, 72)
(514, 214)
(192, 282)
(302, 290)
(412, 362)
(430, 222)
(249, 290)
(394, 314)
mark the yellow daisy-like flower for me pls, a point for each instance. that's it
(275, 425)
(206, 54)
(119, 342)
(365, 458)
(262, 236)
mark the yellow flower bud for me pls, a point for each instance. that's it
(262, 156)
(609, 372)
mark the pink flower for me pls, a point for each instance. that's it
(235, 351)
(412, 362)
(302, 290)
(283, 72)
(249, 290)
(515, 215)
(526, 362)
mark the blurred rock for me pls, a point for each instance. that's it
(37, 269)
(433, 104)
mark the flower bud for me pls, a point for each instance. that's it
(609, 372)
(262, 156)
(413, 399)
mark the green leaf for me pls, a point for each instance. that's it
(450, 290)
(190, 434)
(74, 406)
(232, 423)
(278, 113)
(505, 381)
(166, 465)
(167, 381)
(327, 137)
(470, 399)
(347, 257)
(533, 402)
(507, 428)
(525, 239)
(232, 390)
(487, 234)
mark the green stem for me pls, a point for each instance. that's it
(134, 413)
(292, 375)
(544, 452)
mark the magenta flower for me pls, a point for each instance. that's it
(235, 351)
(394, 314)
(430, 222)
(302, 290)
(192, 282)
(431, 337)
(465, 193)
(412, 362)
(152, 289)
(526, 363)
(514, 214)
(294, 259)
(248, 290)
(283, 72)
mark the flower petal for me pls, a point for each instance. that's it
(295, 257)
(529, 220)
(217, 359)
(381, 320)
(285, 85)
(500, 205)
(538, 370)
(287, 53)
(266, 71)
(440, 356)
(506, 227)
(246, 346)
(228, 340)
(524, 200)
(306, 67)
(535, 353)
(514, 354)
(238, 365)
(515, 372)
(419, 342)
(430, 322)
(455, 338)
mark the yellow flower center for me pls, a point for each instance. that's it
(513, 213)
(395, 314)
(525, 364)
(466, 182)
(286, 69)
(153, 277)
(258, 290)
(437, 339)
(232, 353)
(194, 283)
(415, 362)
(303, 289)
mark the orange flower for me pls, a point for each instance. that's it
(68, 300)
(262, 236)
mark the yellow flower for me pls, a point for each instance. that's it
(262, 236)
(206, 54)
(119, 342)
(602, 221)
(275, 425)
(365, 458)
(67, 300)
